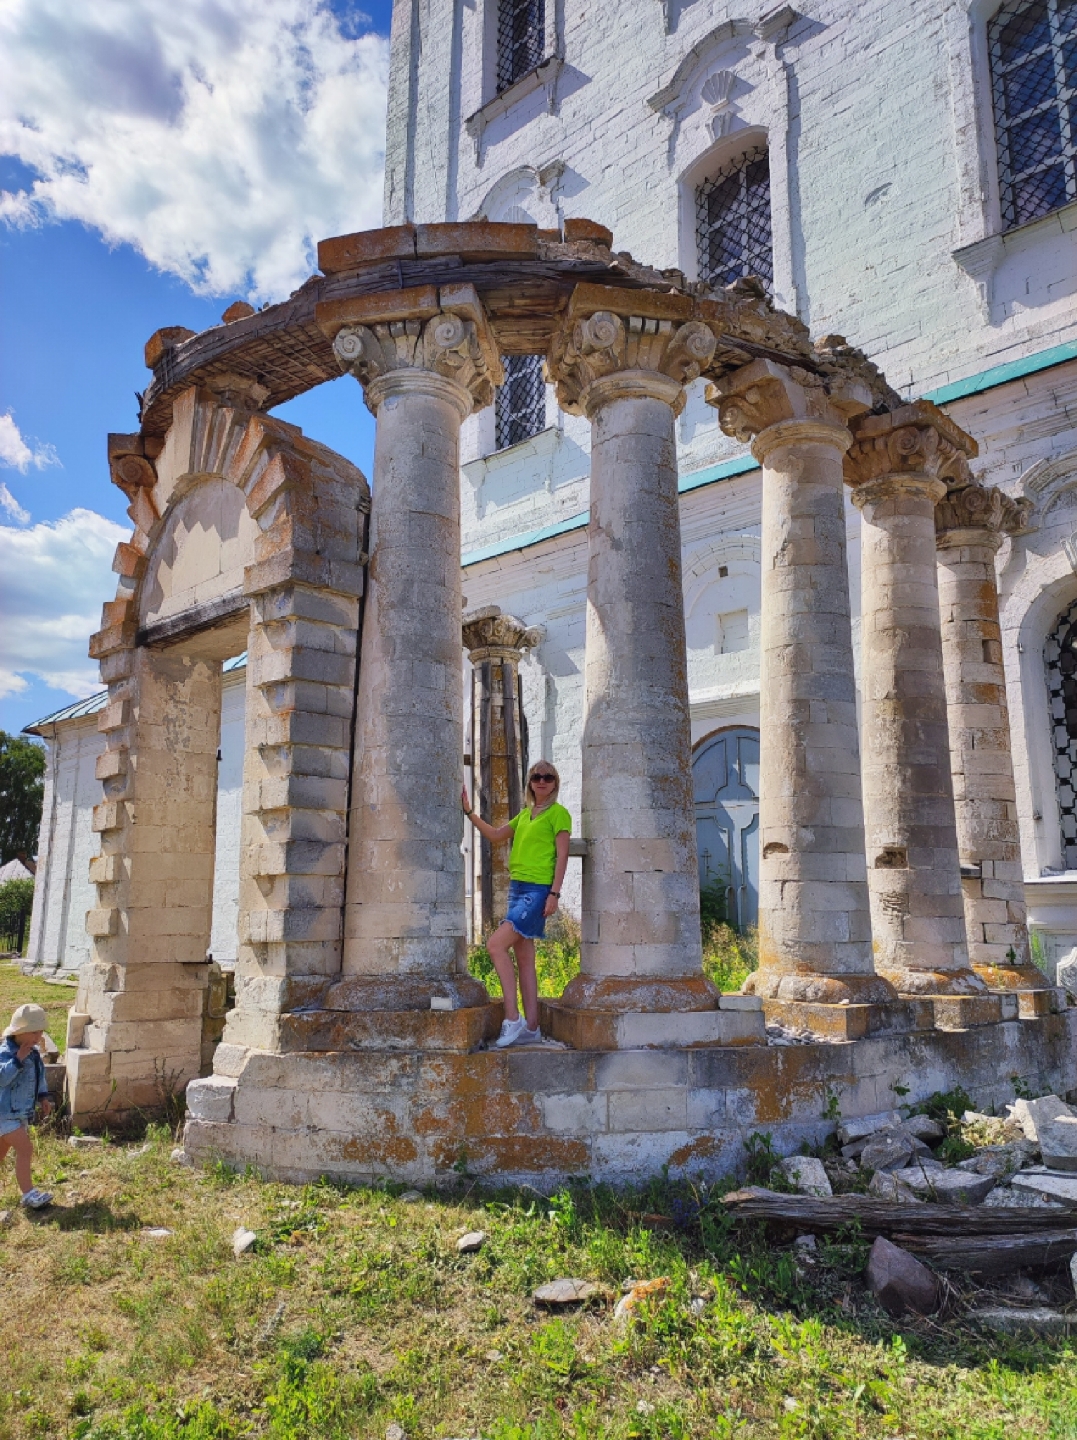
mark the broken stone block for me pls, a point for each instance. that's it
(885, 1186)
(84, 1142)
(1058, 1142)
(891, 1150)
(865, 1125)
(1039, 1320)
(947, 1187)
(565, 1292)
(1045, 1182)
(1005, 1197)
(899, 1281)
(807, 1174)
(922, 1127)
(1029, 1114)
(472, 1241)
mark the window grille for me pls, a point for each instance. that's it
(520, 410)
(1060, 656)
(521, 39)
(1033, 56)
(733, 223)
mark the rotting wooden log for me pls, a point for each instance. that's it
(992, 1254)
(877, 1217)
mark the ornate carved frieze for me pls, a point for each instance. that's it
(981, 507)
(915, 439)
(128, 465)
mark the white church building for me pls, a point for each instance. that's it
(904, 175)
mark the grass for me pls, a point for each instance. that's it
(18, 989)
(355, 1311)
(728, 958)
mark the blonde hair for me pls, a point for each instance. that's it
(543, 765)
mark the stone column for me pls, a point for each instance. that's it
(814, 924)
(970, 522)
(424, 360)
(641, 937)
(495, 643)
(897, 465)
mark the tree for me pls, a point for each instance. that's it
(22, 786)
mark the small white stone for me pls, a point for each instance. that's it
(472, 1241)
(807, 1174)
(5, 1216)
(84, 1142)
(156, 1232)
(409, 1197)
(697, 1305)
(242, 1241)
(644, 1407)
(395, 1432)
(806, 1244)
(179, 1156)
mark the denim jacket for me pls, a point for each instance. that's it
(22, 1082)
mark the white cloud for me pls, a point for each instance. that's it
(17, 455)
(11, 506)
(222, 138)
(55, 578)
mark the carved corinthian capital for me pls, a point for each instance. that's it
(129, 467)
(489, 633)
(763, 395)
(444, 334)
(594, 345)
(916, 439)
(980, 507)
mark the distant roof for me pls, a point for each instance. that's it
(93, 703)
(14, 870)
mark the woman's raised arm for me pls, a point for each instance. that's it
(501, 832)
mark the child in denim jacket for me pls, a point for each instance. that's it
(22, 1085)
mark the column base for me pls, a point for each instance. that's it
(1012, 977)
(460, 1029)
(851, 1022)
(813, 989)
(645, 995)
(403, 992)
(912, 983)
(736, 1021)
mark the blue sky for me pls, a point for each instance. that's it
(157, 163)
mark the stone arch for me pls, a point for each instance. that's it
(247, 536)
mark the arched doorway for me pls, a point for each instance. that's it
(1060, 658)
(725, 782)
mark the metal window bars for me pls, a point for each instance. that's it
(520, 408)
(733, 222)
(1032, 46)
(1060, 659)
(521, 39)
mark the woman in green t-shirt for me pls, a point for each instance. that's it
(537, 864)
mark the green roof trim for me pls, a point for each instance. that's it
(713, 473)
(1004, 374)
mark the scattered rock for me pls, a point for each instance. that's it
(5, 1217)
(1030, 1114)
(472, 1241)
(642, 1290)
(1046, 1182)
(179, 1156)
(410, 1197)
(1058, 1143)
(697, 1305)
(242, 1241)
(885, 1186)
(494, 1356)
(395, 1432)
(793, 1035)
(1038, 1320)
(805, 1246)
(947, 1187)
(156, 1232)
(565, 1292)
(807, 1174)
(1019, 1199)
(84, 1142)
(864, 1125)
(1073, 1272)
(1021, 1287)
(891, 1150)
(899, 1282)
(1066, 973)
(922, 1127)
(997, 1160)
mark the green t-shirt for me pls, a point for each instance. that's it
(534, 847)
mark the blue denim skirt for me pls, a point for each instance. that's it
(526, 904)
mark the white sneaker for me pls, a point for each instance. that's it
(36, 1199)
(510, 1029)
(524, 1036)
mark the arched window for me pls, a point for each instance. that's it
(520, 407)
(521, 39)
(1060, 656)
(1033, 55)
(733, 222)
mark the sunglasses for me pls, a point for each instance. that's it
(544, 779)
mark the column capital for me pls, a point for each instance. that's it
(490, 634)
(916, 440)
(979, 514)
(387, 341)
(647, 347)
(771, 405)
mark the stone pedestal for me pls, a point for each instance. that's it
(495, 643)
(625, 367)
(424, 363)
(896, 465)
(970, 523)
(814, 923)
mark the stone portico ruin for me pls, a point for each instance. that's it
(891, 920)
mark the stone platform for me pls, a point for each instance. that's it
(540, 1114)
